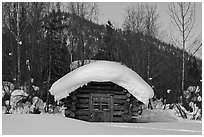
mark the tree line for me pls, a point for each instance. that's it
(40, 40)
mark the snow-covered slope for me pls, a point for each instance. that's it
(47, 124)
(102, 71)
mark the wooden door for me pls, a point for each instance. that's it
(101, 108)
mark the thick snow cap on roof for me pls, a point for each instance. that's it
(103, 71)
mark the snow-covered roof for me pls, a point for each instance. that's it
(103, 71)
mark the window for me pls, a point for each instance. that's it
(96, 107)
(105, 107)
(101, 103)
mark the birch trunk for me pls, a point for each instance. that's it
(18, 47)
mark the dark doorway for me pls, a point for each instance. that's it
(101, 107)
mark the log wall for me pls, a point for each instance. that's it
(124, 105)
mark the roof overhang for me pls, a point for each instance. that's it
(103, 71)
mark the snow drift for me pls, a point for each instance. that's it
(47, 124)
(103, 71)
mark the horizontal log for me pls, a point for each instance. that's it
(71, 94)
(73, 108)
(139, 112)
(127, 99)
(82, 101)
(137, 104)
(72, 114)
(127, 108)
(120, 96)
(135, 101)
(118, 107)
(73, 97)
(102, 83)
(67, 101)
(68, 105)
(117, 119)
(83, 95)
(118, 113)
(101, 90)
(74, 103)
(68, 98)
(86, 118)
(128, 94)
(119, 101)
(127, 117)
(82, 106)
(67, 112)
(103, 87)
(126, 111)
(82, 112)
(135, 108)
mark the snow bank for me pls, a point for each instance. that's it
(47, 124)
(103, 71)
(156, 115)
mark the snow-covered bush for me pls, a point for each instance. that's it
(179, 110)
(7, 87)
(158, 104)
(37, 104)
(4, 109)
(16, 97)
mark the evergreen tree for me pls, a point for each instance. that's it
(51, 40)
(109, 41)
(193, 72)
(56, 52)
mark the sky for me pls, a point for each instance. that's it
(115, 12)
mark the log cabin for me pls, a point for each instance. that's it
(102, 92)
(102, 102)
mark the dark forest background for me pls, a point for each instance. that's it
(49, 40)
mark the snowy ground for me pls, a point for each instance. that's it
(47, 124)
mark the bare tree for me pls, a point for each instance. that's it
(135, 15)
(79, 11)
(87, 10)
(142, 18)
(195, 47)
(183, 17)
(18, 44)
(151, 26)
(11, 19)
(18, 17)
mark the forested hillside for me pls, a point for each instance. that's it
(50, 40)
